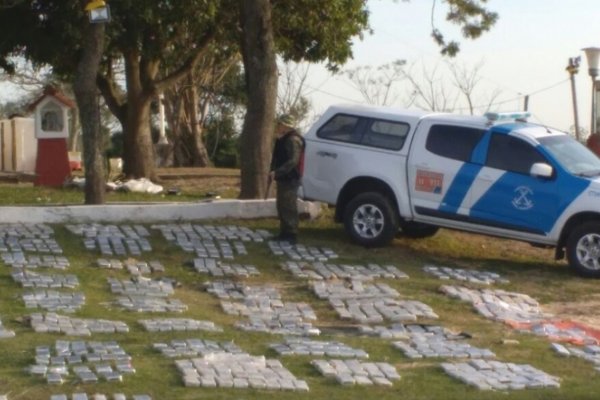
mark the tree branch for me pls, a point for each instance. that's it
(182, 71)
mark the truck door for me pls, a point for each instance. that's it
(440, 171)
(330, 156)
(506, 195)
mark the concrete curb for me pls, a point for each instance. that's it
(150, 212)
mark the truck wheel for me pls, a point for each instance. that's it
(370, 220)
(418, 230)
(583, 249)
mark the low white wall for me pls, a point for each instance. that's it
(145, 212)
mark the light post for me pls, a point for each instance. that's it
(98, 11)
(572, 69)
(593, 58)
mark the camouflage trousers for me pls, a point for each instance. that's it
(287, 207)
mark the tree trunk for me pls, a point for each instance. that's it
(186, 119)
(258, 51)
(200, 155)
(138, 150)
(84, 86)
(138, 160)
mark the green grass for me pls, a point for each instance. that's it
(530, 271)
(26, 194)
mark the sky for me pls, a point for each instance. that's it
(525, 53)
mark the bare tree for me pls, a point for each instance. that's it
(429, 91)
(292, 90)
(27, 77)
(377, 85)
(467, 80)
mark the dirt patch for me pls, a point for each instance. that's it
(585, 312)
(215, 181)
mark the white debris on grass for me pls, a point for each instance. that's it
(5, 333)
(142, 185)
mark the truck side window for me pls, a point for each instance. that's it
(454, 142)
(342, 128)
(385, 134)
(512, 154)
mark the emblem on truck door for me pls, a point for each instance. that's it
(428, 181)
(522, 199)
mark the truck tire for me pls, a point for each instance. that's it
(583, 249)
(417, 230)
(370, 220)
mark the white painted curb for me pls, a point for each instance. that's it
(150, 212)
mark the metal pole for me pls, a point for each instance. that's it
(593, 124)
(572, 69)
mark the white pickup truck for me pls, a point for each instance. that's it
(388, 170)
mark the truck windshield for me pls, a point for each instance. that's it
(572, 155)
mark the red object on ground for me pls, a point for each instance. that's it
(75, 165)
(52, 164)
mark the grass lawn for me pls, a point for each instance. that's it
(531, 271)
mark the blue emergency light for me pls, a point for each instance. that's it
(503, 116)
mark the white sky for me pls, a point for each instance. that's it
(526, 53)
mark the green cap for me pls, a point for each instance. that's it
(287, 120)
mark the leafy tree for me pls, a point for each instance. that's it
(142, 33)
(147, 33)
(189, 103)
(471, 15)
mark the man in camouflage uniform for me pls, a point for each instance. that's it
(286, 171)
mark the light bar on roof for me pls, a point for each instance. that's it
(504, 116)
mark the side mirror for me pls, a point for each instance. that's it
(541, 170)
